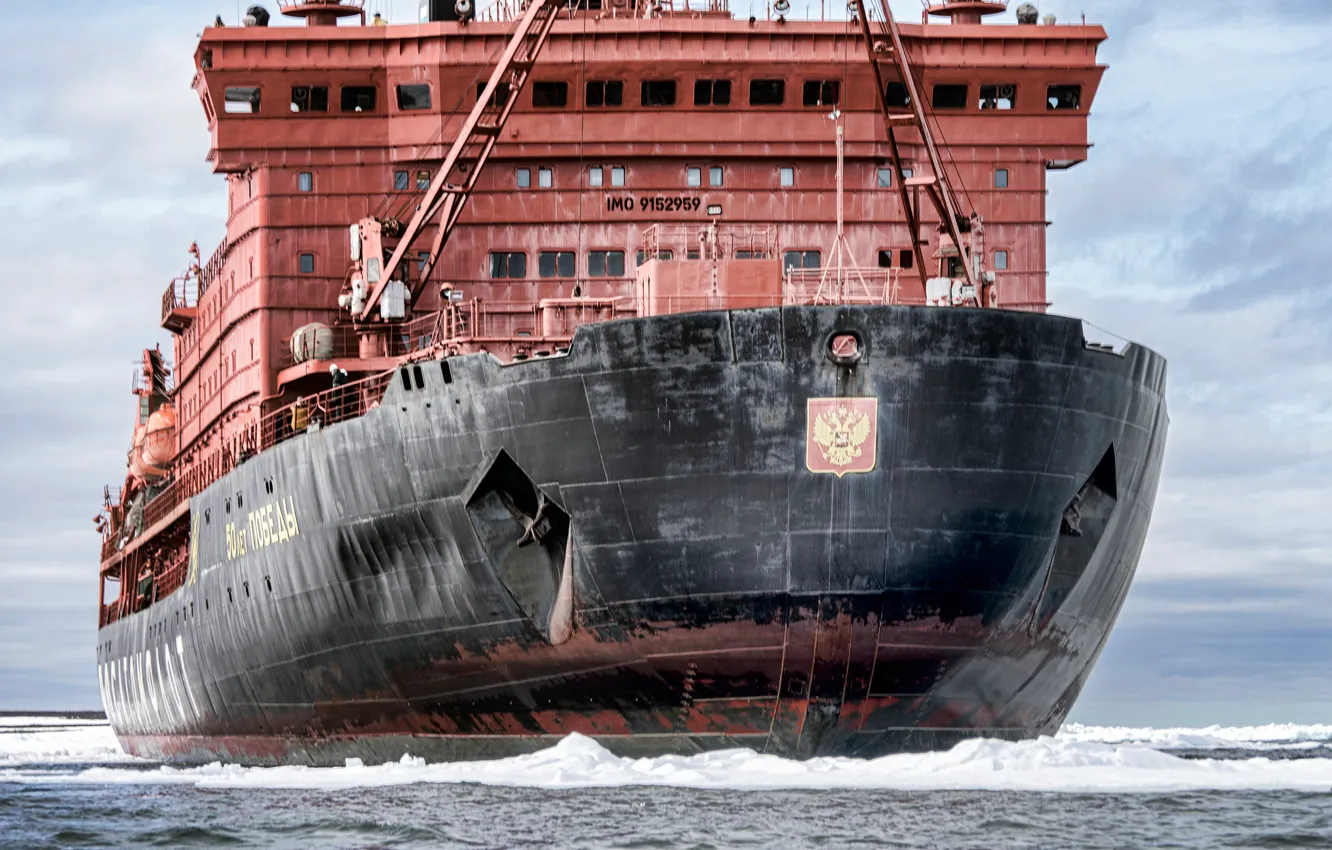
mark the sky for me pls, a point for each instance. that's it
(1200, 226)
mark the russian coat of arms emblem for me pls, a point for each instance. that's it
(841, 435)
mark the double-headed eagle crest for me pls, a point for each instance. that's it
(840, 436)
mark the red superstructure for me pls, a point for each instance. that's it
(659, 158)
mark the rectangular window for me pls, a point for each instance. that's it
(545, 178)
(358, 98)
(897, 95)
(767, 92)
(1001, 178)
(1056, 97)
(1000, 97)
(553, 94)
(413, 96)
(693, 177)
(309, 98)
(421, 258)
(658, 93)
(712, 92)
(524, 178)
(242, 100)
(886, 259)
(1000, 260)
(402, 181)
(422, 180)
(800, 260)
(307, 263)
(822, 92)
(786, 176)
(617, 175)
(594, 177)
(950, 96)
(885, 178)
(605, 264)
(305, 181)
(907, 258)
(508, 264)
(499, 98)
(555, 264)
(715, 176)
(605, 93)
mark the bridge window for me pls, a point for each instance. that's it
(822, 92)
(545, 178)
(358, 98)
(605, 93)
(1001, 260)
(595, 177)
(305, 181)
(897, 95)
(555, 264)
(712, 92)
(309, 98)
(524, 178)
(907, 258)
(402, 181)
(1056, 97)
(617, 175)
(786, 177)
(664, 255)
(715, 175)
(800, 260)
(551, 94)
(307, 263)
(885, 178)
(1001, 178)
(605, 264)
(422, 257)
(658, 93)
(950, 96)
(499, 98)
(767, 92)
(422, 180)
(511, 264)
(242, 100)
(693, 177)
(886, 259)
(414, 96)
(1000, 97)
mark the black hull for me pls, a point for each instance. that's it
(693, 585)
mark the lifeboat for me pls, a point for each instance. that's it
(154, 445)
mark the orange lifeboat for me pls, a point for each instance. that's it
(154, 445)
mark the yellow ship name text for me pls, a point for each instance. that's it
(272, 524)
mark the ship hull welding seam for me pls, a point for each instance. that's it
(629, 542)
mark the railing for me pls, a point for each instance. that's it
(181, 293)
(731, 241)
(847, 285)
(397, 340)
(322, 409)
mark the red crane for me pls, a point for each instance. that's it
(887, 49)
(449, 191)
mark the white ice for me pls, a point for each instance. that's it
(49, 740)
(1271, 736)
(1080, 759)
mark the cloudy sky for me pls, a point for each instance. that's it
(1201, 227)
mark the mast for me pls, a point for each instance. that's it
(937, 185)
(452, 186)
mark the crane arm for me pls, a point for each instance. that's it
(453, 184)
(937, 186)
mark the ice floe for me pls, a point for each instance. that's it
(1061, 764)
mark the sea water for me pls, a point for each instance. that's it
(66, 783)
